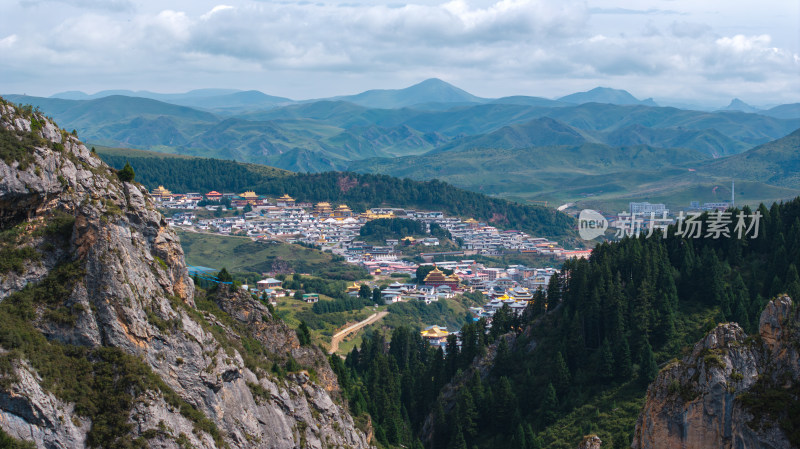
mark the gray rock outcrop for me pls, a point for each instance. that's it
(715, 396)
(134, 293)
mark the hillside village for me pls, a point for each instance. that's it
(336, 229)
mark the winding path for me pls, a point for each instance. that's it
(339, 336)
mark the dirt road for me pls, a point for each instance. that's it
(339, 336)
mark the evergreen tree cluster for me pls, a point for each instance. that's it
(392, 228)
(340, 305)
(398, 386)
(309, 284)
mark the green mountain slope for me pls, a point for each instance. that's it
(374, 141)
(249, 100)
(537, 132)
(540, 170)
(602, 176)
(776, 163)
(749, 128)
(302, 160)
(337, 113)
(707, 141)
(93, 114)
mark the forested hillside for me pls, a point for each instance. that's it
(359, 191)
(549, 378)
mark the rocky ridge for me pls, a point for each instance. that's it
(98, 273)
(732, 391)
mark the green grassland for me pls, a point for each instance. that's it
(242, 254)
(322, 326)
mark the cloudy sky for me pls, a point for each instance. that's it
(698, 51)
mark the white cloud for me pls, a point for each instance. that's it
(8, 41)
(216, 9)
(498, 46)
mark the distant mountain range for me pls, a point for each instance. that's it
(429, 91)
(435, 130)
(605, 95)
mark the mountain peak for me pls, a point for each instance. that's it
(606, 95)
(433, 82)
(431, 90)
(739, 105)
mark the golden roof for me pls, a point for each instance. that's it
(161, 191)
(324, 204)
(285, 197)
(435, 275)
(434, 332)
(343, 207)
(249, 194)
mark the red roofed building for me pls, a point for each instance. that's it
(213, 196)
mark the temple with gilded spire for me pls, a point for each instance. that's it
(436, 278)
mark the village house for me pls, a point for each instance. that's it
(269, 283)
(310, 298)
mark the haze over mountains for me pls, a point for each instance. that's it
(518, 146)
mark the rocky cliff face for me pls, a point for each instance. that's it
(732, 391)
(96, 271)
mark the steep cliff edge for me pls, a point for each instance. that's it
(732, 391)
(102, 341)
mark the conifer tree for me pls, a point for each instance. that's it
(549, 407)
(648, 369)
(519, 438)
(606, 365)
(457, 441)
(622, 361)
(126, 174)
(468, 415)
(303, 334)
(560, 375)
(224, 276)
(553, 292)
